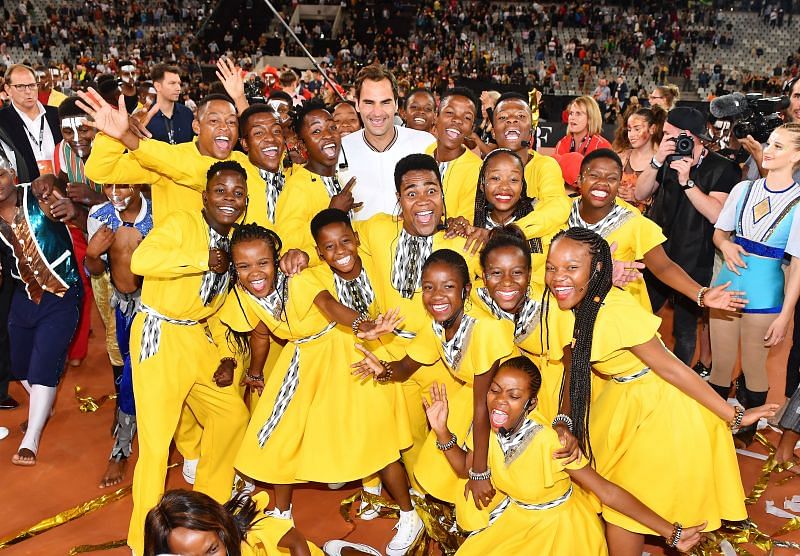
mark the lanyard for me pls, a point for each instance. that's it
(40, 142)
(170, 130)
(583, 150)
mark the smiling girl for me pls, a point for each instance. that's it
(654, 428)
(636, 142)
(538, 505)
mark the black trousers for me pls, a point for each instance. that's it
(6, 294)
(793, 364)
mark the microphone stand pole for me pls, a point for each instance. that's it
(330, 81)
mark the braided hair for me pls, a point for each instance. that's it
(580, 372)
(482, 207)
(506, 236)
(239, 341)
(527, 366)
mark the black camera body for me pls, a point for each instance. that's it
(762, 117)
(684, 146)
(254, 91)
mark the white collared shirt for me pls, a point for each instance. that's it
(46, 149)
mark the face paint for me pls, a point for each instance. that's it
(73, 123)
(128, 73)
(120, 203)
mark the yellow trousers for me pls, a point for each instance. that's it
(101, 289)
(181, 371)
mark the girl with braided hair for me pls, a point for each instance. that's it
(538, 505)
(291, 425)
(654, 428)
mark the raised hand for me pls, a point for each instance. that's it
(231, 77)
(383, 324)
(344, 201)
(719, 297)
(137, 122)
(369, 366)
(104, 117)
(437, 409)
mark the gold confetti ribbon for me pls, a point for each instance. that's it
(97, 547)
(88, 404)
(66, 516)
(438, 518)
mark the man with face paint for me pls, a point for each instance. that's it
(47, 94)
(173, 186)
(115, 229)
(128, 73)
(281, 102)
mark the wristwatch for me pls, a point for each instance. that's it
(654, 164)
(689, 184)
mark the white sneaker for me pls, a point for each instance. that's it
(336, 486)
(3, 432)
(190, 470)
(409, 528)
(334, 548)
(366, 511)
(277, 514)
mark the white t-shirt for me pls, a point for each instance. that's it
(374, 171)
(39, 134)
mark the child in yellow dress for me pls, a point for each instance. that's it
(471, 343)
(292, 437)
(539, 507)
(655, 428)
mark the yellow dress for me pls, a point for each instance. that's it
(379, 244)
(480, 340)
(459, 182)
(315, 421)
(545, 184)
(543, 345)
(303, 196)
(266, 532)
(176, 175)
(527, 478)
(650, 438)
(634, 235)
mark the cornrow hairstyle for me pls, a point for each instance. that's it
(298, 113)
(506, 236)
(240, 341)
(327, 217)
(421, 90)
(452, 259)
(482, 207)
(226, 165)
(527, 366)
(416, 161)
(252, 110)
(580, 372)
(601, 153)
(461, 92)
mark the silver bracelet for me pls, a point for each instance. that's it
(447, 445)
(563, 420)
(485, 476)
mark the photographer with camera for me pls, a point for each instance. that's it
(689, 185)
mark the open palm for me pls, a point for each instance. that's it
(113, 121)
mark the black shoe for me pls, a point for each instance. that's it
(701, 370)
(9, 403)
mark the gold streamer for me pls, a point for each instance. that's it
(66, 516)
(88, 404)
(81, 549)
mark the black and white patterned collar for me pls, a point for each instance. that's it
(514, 444)
(612, 221)
(491, 224)
(410, 253)
(357, 293)
(214, 284)
(455, 347)
(273, 182)
(274, 302)
(525, 320)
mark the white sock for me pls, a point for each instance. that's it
(26, 385)
(42, 398)
(376, 490)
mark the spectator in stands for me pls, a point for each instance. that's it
(47, 94)
(32, 127)
(688, 194)
(290, 85)
(173, 121)
(373, 151)
(665, 96)
(637, 142)
(584, 125)
(602, 94)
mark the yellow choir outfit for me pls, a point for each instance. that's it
(459, 182)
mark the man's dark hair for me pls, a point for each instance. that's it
(416, 90)
(461, 92)
(375, 73)
(252, 110)
(601, 153)
(413, 162)
(158, 71)
(226, 166)
(327, 217)
(69, 108)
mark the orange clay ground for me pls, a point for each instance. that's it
(73, 455)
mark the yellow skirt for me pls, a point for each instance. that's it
(332, 427)
(547, 399)
(667, 450)
(566, 530)
(433, 471)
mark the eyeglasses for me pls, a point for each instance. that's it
(26, 86)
